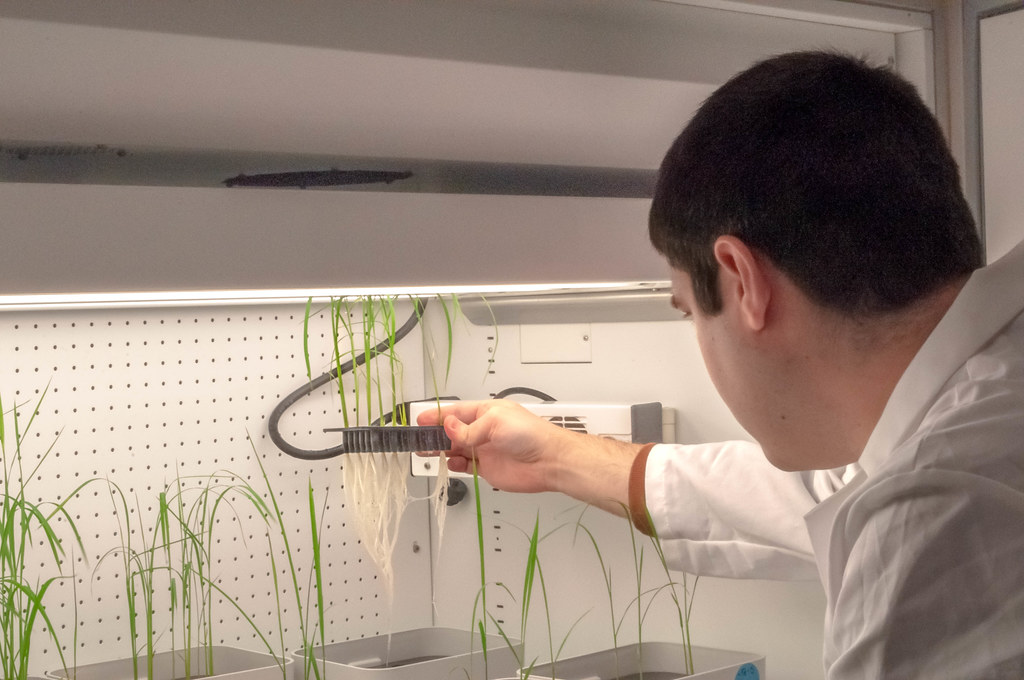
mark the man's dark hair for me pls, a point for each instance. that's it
(834, 170)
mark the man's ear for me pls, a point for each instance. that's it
(743, 277)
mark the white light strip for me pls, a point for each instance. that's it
(266, 297)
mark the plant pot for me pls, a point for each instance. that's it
(657, 661)
(418, 654)
(228, 662)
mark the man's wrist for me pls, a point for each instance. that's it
(638, 512)
(595, 470)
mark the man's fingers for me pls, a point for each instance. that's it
(429, 417)
(460, 433)
(458, 464)
(466, 411)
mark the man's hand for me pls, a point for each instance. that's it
(516, 450)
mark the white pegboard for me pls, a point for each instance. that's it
(140, 396)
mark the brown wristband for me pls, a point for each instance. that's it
(638, 493)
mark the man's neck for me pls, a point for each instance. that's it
(868, 365)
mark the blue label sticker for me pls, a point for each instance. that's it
(748, 671)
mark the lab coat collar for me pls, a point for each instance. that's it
(990, 299)
(820, 523)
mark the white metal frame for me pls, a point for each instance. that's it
(974, 11)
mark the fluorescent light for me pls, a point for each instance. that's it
(251, 297)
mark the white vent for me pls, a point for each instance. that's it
(574, 423)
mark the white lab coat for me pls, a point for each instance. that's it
(919, 545)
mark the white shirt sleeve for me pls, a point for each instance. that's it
(723, 510)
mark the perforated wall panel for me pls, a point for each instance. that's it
(137, 400)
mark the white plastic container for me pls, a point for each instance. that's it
(228, 662)
(657, 661)
(418, 654)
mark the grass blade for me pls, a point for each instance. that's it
(305, 338)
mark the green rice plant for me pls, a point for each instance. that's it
(129, 556)
(533, 573)
(390, 327)
(530, 573)
(24, 523)
(340, 318)
(606, 575)
(363, 330)
(481, 622)
(481, 614)
(365, 334)
(172, 558)
(638, 570)
(190, 506)
(314, 533)
(310, 632)
(305, 338)
(451, 310)
(353, 347)
(368, 335)
(682, 605)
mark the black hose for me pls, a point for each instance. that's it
(273, 424)
(528, 391)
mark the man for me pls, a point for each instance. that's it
(813, 221)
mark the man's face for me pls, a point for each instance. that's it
(714, 337)
(749, 379)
